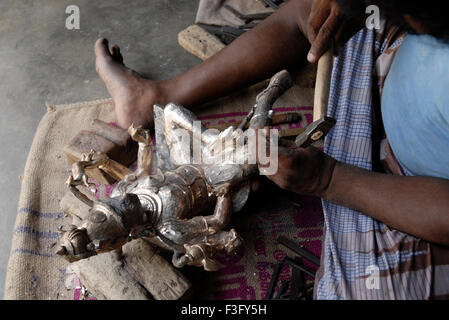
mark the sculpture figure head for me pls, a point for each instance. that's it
(108, 226)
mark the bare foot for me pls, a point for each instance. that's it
(133, 95)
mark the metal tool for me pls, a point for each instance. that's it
(283, 287)
(293, 263)
(269, 121)
(296, 288)
(224, 33)
(273, 282)
(248, 25)
(271, 4)
(247, 17)
(315, 132)
(298, 283)
(298, 250)
(228, 34)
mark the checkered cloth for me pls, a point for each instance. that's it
(363, 258)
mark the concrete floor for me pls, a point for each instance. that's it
(41, 61)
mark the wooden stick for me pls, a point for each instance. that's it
(288, 133)
(322, 85)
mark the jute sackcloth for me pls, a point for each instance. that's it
(34, 271)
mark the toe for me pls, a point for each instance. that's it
(115, 51)
(102, 48)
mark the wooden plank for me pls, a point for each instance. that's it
(104, 276)
(199, 42)
(105, 138)
(153, 272)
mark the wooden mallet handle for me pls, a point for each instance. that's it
(322, 85)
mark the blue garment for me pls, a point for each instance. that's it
(415, 106)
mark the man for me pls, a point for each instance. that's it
(385, 234)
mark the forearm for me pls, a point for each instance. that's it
(415, 205)
(274, 44)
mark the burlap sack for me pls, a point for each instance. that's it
(35, 272)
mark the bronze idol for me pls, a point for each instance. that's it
(178, 205)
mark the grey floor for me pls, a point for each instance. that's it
(41, 61)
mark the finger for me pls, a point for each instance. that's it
(286, 152)
(264, 149)
(324, 38)
(317, 18)
(284, 156)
